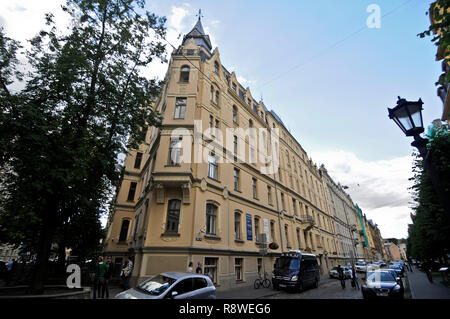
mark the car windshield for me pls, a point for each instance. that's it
(287, 263)
(360, 264)
(380, 276)
(156, 285)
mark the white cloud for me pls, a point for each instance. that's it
(379, 187)
(244, 81)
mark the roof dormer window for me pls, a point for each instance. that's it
(216, 67)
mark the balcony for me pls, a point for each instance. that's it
(308, 220)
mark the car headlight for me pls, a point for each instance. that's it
(397, 287)
(294, 278)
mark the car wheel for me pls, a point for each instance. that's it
(316, 283)
(300, 287)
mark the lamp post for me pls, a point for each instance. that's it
(408, 116)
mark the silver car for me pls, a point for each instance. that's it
(172, 285)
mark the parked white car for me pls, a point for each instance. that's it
(361, 266)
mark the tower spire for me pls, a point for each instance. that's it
(199, 15)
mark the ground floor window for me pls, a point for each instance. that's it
(211, 268)
(238, 269)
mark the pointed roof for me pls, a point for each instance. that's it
(198, 34)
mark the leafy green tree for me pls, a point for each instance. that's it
(429, 235)
(440, 15)
(84, 102)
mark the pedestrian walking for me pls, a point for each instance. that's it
(108, 275)
(199, 269)
(126, 273)
(191, 267)
(355, 277)
(99, 278)
(341, 276)
(427, 269)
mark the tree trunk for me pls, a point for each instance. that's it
(43, 254)
(61, 268)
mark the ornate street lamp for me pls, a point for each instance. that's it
(408, 116)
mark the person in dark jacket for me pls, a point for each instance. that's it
(108, 275)
(341, 276)
(99, 278)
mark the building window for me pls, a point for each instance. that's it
(238, 269)
(136, 225)
(286, 233)
(237, 225)
(175, 151)
(217, 98)
(236, 179)
(217, 128)
(124, 230)
(283, 205)
(235, 145)
(249, 103)
(131, 191)
(269, 195)
(272, 230)
(173, 216)
(211, 96)
(294, 205)
(138, 160)
(280, 176)
(298, 238)
(211, 219)
(234, 86)
(210, 269)
(180, 108)
(216, 67)
(184, 74)
(211, 125)
(257, 231)
(254, 189)
(212, 166)
(235, 114)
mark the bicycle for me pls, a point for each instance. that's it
(260, 281)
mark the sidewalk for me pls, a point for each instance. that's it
(421, 288)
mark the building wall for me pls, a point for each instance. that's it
(297, 214)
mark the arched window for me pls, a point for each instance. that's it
(235, 114)
(211, 96)
(211, 219)
(124, 230)
(250, 128)
(217, 98)
(184, 73)
(173, 216)
(237, 225)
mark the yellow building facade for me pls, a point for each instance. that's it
(194, 192)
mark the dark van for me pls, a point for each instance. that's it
(296, 271)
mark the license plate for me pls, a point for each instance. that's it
(281, 285)
(382, 294)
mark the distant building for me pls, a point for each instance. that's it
(8, 252)
(392, 251)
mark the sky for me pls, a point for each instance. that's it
(320, 67)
